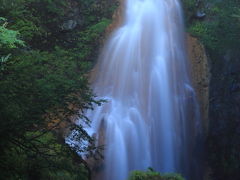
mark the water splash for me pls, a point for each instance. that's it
(151, 117)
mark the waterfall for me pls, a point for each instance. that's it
(151, 116)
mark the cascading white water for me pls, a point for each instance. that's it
(151, 117)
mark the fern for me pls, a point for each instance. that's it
(8, 38)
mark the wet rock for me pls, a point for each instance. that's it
(199, 14)
(73, 17)
(69, 25)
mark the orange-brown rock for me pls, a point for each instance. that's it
(116, 18)
(199, 69)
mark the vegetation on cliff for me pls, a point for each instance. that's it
(218, 30)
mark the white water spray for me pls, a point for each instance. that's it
(151, 117)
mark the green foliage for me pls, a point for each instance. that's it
(172, 176)
(237, 13)
(42, 74)
(219, 30)
(8, 41)
(206, 32)
(3, 61)
(21, 18)
(88, 40)
(152, 175)
(99, 27)
(33, 84)
(50, 160)
(8, 38)
(189, 8)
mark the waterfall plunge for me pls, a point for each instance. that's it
(151, 117)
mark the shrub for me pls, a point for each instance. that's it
(152, 175)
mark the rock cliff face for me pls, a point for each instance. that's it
(199, 69)
(116, 18)
(200, 73)
(224, 115)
